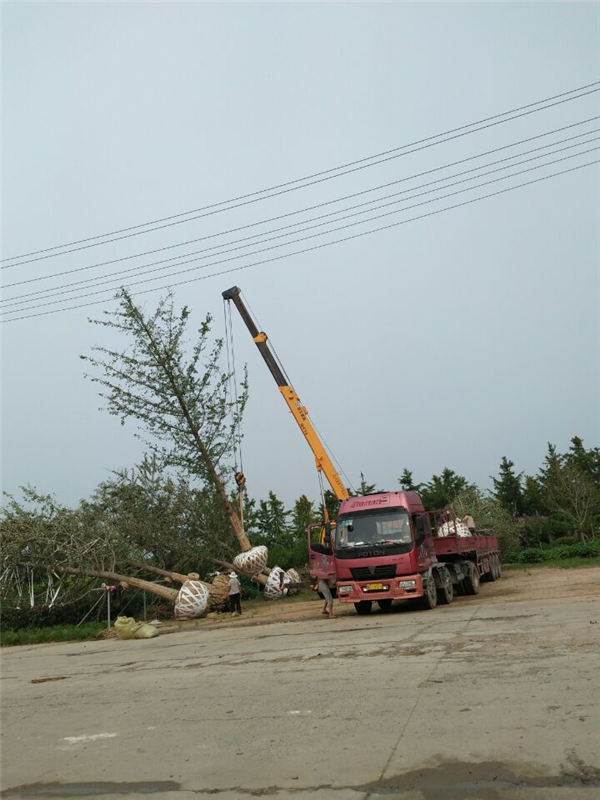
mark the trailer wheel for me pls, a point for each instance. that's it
(385, 605)
(430, 596)
(364, 607)
(492, 574)
(471, 581)
(445, 594)
(498, 566)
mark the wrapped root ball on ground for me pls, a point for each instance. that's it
(292, 577)
(192, 600)
(274, 585)
(252, 561)
(219, 593)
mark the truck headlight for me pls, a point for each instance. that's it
(407, 584)
(344, 589)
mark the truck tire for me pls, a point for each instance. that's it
(364, 607)
(492, 574)
(498, 565)
(430, 597)
(471, 581)
(385, 605)
(445, 594)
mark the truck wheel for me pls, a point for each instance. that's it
(471, 581)
(385, 605)
(498, 566)
(445, 594)
(492, 574)
(364, 607)
(430, 596)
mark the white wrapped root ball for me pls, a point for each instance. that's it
(291, 576)
(252, 561)
(192, 600)
(450, 528)
(274, 584)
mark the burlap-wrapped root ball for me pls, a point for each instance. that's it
(219, 592)
(192, 600)
(252, 561)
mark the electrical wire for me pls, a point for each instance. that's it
(302, 238)
(309, 180)
(316, 206)
(312, 248)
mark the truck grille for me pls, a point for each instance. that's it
(368, 573)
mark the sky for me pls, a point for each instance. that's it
(450, 340)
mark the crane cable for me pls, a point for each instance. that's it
(232, 387)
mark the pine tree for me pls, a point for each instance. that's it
(507, 488)
(407, 483)
(365, 488)
(441, 490)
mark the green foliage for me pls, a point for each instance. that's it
(332, 504)
(490, 517)
(557, 552)
(52, 633)
(441, 490)
(272, 522)
(407, 483)
(176, 393)
(366, 488)
(507, 488)
(163, 517)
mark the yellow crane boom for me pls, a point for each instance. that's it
(299, 412)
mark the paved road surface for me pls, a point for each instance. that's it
(474, 701)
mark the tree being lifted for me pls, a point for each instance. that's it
(181, 401)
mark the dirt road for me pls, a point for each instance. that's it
(492, 697)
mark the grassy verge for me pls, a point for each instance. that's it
(560, 563)
(53, 633)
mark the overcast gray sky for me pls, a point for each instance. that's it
(451, 340)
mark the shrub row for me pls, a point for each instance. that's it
(556, 552)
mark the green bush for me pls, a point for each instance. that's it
(565, 540)
(556, 552)
(531, 555)
(51, 633)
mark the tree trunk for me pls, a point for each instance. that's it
(173, 576)
(161, 591)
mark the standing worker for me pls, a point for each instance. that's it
(235, 594)
(325, 591)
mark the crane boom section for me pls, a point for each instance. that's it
(322, 460)
(298, 411)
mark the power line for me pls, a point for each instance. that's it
(310, 208)
(28, 306)
(309, 180)
(171, 285)
(68, 288)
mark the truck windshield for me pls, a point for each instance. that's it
(386, 527)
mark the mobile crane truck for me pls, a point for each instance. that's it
(385, 546)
